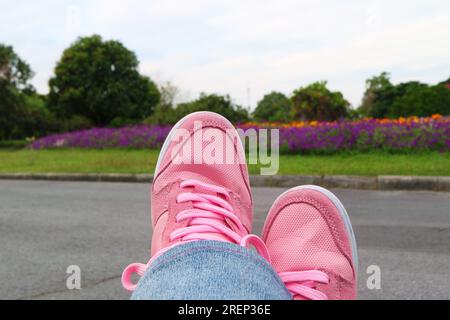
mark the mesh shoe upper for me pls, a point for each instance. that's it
(305, 231)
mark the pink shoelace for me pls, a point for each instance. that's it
(207, 221)
(302, 284)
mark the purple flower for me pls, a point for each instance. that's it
(363, 135)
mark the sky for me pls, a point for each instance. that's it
(244, 48)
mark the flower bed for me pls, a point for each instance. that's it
(431, 133)
(127, 137)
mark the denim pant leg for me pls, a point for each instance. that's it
(210, 270)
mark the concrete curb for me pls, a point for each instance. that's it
(287, 181)
(351, 182)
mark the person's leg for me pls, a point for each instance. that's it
(210, 270)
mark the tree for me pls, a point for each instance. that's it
(317, 102)
(418, 99)
(15, 74)
(274, 107)
(215, 103)
(164, 112)
(169, 94)
(99, 80)
(413, 98)
(378, 96)
(14, 71)
(445, 83)
(35, 119)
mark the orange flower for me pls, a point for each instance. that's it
(315, 123)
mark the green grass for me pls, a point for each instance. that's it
(144, 161)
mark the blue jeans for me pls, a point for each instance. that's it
(210, 270)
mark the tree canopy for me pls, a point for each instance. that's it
(99, 80)
(317, 102)
(15, 74)
(215, 103)
(384, 99)
(275, 107)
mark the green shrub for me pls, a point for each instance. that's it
(215, 103)
(163, 114)
(76, 123)
(382, 99)
(273, 107)
(13, 144)
(317, 102)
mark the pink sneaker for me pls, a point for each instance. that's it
(192, 200)
(311, 244)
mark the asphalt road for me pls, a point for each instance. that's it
(101, 227)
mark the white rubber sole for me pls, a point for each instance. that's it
(344, 215)
(178, 125)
